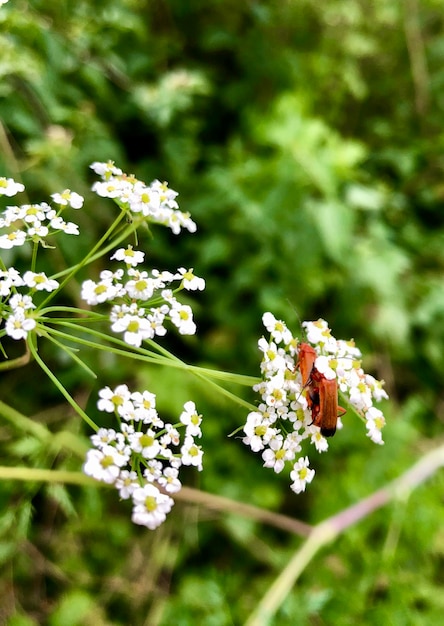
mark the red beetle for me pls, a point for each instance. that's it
(322, 397)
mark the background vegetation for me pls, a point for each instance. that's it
(306, 138)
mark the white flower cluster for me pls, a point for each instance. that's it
(155, 202)
(143, 458)
(283, 419)
(35, 222)
(28, 222)
(15, 307)
(142, 301)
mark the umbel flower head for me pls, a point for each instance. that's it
(142, 458)
(142, 301)
(155, 202)
(35, 223)
(291, 407)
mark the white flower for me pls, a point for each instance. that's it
(106, 169)
(10, 215)
(129, 256)
(274, 359)
(145, 444)
(276, 455)
(113, 188)
(191, 419)
(170, 481)
(176, 220)
(39, 281)
(67, 227)
(68, 198)
(103, 437)
(134, 328)
(8, 278)
(96, 293)
(258, 430)
(144, 200)
(191, 453)
(149, 416)
(114, 400)
(150, 506)
(126, 483)
(153, 471)
(38, 230)
(18, 326)
(8, 186)
(182, 317)
(301, 475)
(360, 396)
(102, 465)
(375, 422)
(32, 213)
(130, 414)
(293, 443)
(322, 364)
(275, 391)
(276, 328)
(171, 435)
(317, 439)
(319, 333)
(376, 387)
(108, 275)
(189, 280)
(122, 451)
(145, 400)
(156, 319)
(141, 287)
(167, 196)
(347, 349)
(11, 240)
(19, 302)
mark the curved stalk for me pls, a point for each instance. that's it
(58, 384)
(326, 531)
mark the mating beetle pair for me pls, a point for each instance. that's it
(322, 392)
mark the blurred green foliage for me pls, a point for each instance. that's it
(306, 139)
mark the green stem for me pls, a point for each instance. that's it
(58, 384)
(161, 356)
(70, 352)
(144, 355)
(88, 258)
(35, 248)
(206, 374)
(48, 476)
(19, 361)
(81, 314)
(93, 255)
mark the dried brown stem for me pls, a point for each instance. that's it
(226, 505)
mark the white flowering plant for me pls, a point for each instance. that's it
(142, 457)
(283, 420)
(139, 453)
